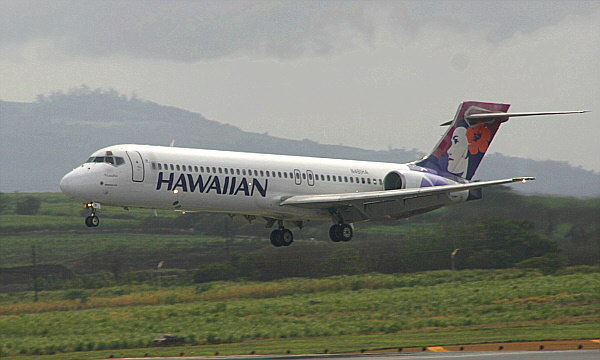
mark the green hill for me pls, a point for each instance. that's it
(42, 141)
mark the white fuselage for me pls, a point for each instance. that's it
(222, 181)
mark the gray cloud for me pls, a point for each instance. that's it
(189, 31)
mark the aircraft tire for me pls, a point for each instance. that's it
(94, 221)
(346, 232)
(275, 238)
(286, 237)
(88, 221)
(335, 233)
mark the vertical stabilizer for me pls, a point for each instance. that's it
(463, 146)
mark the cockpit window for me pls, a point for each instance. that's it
(114, 160)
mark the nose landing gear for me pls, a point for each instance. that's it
(92, 220)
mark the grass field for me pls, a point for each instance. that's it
(348, 343)
(322, 309)
(92, 319)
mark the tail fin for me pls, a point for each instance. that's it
(463, 146)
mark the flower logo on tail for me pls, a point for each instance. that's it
(479, 139)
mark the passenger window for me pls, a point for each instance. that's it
(177, 167)
(159, 166)
(237, 171)
(285, 175)
(362, 180)
(153, 166)
(220, 170)
(267, 173)
(201, 168)
(195, 168)
(328, 178)
(244, 172)
(304, 176)
(345, 179)
(291, 175)
(279, 174)
(333, 177)
(255, 173)
(262, 173)
(352, 180)
(322, 177)
(357, 180)
(369, 181)
(171, 166)
(214, 169)
(226, 171)
(380, 183)
(231, 171)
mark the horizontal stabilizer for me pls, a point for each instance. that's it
(500, 115)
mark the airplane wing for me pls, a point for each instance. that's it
(372, 205)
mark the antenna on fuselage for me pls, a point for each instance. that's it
(172, 143)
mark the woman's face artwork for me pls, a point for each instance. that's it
(457, 153)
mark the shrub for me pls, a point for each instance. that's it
(77, 294)
(215, 272)
(28, 206)
(548, 264)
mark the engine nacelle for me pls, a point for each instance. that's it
(399, 179)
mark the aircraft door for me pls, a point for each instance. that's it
(310, 177)
(137, 166)
(297, 177)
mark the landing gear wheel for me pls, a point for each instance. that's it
(341, 232)
(286, 238)
(282, 237)
(275, 236)
(345, 232)
(92, 221)
(335, 233)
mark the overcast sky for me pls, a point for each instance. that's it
(366, 73)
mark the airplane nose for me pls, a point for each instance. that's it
(66, 184)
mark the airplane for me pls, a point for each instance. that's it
(293, 189)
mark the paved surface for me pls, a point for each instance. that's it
(551, 350)
(506, 355)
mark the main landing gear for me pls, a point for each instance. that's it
(341, 232)
(92, 220)
(282, 237)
